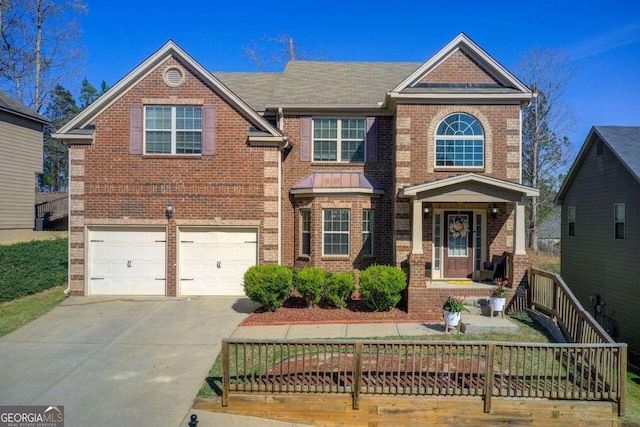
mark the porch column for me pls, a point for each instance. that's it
(518, 235)
(416, 228)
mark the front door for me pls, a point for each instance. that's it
(458, 245)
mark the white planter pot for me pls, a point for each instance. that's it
(498, 303)
(452, 318)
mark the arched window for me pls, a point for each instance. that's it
(460, 142)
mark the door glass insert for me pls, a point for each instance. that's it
(458, 229)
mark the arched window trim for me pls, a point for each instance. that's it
(459, 147)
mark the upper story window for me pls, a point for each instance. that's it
(173, 130)
(619, 220)
(460, 142)
(339, 140)
(571, 220)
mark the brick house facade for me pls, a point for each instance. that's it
(182, 178)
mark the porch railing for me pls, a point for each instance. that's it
(551, 295)
(486, 369)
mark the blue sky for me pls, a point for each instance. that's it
(601, 37)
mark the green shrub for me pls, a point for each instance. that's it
(268, 285)
(381, 286)
(30, 267)
(310, 283)
(339, 288)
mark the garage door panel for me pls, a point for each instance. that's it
(213, 262)
(129, 261)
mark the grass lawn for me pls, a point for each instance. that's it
(632, 416)
(544, 261)
(17, 313)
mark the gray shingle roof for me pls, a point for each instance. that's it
(319, 83)
(625, 143)
(11, 105)
(253, 88)
(339, 83)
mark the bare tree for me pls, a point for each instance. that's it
(546, 122)
(38, 46)
(272, 53)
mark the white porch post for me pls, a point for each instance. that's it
(416, 228)
(518, 235)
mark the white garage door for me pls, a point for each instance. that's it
(127, 261)
(213, 261)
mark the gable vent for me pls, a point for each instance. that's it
(174, 77)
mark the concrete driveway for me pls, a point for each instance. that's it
(118, 362)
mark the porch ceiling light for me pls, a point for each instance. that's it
(170, 211)
(494, 210)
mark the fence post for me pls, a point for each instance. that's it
(488, 377)
(554, 309)
(532, 289)
(622, 370)
(226, 375)
(357, 376)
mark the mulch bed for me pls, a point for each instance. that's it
(295, 312)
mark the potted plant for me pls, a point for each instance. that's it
(453, 306)
(499, 295)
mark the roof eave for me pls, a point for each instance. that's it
(575, 165)
(301, 192)
(147, 66)
(41, 119)
(70, 138)
(520, 96)
(511, 186)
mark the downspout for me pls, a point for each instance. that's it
(68, 290)
(280, 119)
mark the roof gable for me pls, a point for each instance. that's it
(469, 178)
(624, 143)
(145, 68)
(484, 69)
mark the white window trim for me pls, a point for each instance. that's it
(348, 233)
(338, 140)
(174, 130)
(369, 232)
(302, 232)
(460, 137)
(615, 221)
(569, 220)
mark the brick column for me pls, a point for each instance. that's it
(519, 270)
(417, 298)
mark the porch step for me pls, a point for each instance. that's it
(481, 325)
(477, 306)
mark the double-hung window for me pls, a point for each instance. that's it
(460, 142)
(305, 232)
(571, 220)
(173, 129)
(335, 231)
(339, 140)
(367, 232)
(619, 220)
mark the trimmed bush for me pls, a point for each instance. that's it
(310, 283)
(268, 285)
(381, 286)
(30, 267)
(339, 288)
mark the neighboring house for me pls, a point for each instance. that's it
(20, 162)
(600, 200)
(328, 164)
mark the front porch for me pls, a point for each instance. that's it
(456, 226)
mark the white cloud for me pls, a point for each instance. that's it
(605, 42)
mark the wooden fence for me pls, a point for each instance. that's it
(590, 368)
(557, 371)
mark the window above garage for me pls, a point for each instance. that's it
(172, 130)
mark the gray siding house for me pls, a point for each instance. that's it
(20, 162)
(600, 200)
